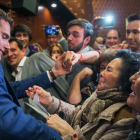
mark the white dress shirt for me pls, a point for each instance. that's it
(19, 70)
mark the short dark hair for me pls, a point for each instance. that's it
(21, 28)
(119, 35)
(130, 65)
(88, 27)
(5, 16)
(12, 39)
(134, 17)
(106, 56)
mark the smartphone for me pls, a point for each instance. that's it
(104, 22)
(51, 30)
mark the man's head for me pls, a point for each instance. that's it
(15, 54)
(51, 39)
(113, 38)
(79, 32)
(133, 32)
(22, 33)
(5, 22)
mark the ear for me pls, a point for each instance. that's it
(86, 40)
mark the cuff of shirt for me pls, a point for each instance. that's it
(53, 106)
(49, 76)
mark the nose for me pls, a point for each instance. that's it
(132, 79)
(69, 37)
(7, 46)
(130, 36)
(102, 73)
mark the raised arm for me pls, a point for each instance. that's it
(74, 95)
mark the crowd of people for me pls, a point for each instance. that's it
(95, 87)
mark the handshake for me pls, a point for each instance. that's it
(64, 64)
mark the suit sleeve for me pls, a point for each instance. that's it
(64, 44)
(15, 125)
(19, 87)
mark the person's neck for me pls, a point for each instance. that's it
(26, 48)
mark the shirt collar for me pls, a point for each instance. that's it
(86, 49)
(21, 64)
(27, 52)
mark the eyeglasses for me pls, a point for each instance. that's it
(51, 37)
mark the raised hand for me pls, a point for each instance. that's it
(86, 72)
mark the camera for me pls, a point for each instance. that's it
(51, 30)
(105, 22)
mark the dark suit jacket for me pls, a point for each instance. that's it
(14, 124)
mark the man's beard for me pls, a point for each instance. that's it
(78, 47)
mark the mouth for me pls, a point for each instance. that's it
(132, 94)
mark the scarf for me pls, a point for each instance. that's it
(93, 106)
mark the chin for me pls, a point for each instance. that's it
(130, 103)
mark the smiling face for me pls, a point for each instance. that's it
(112, 38)
(110, 77)
(133, 35)
(52, 39)
(23, 37)
(4, 36)
(14, 55)
(134, 97)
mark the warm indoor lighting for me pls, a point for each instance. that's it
(54, 5)
(40, 7)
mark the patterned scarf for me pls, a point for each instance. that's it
(93, 106)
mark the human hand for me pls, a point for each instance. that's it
(86, 72)
(59, 69)
(59, 124)
(55, 56)
(70, 59)
(44, 96)
(97, 22)
(60, 34)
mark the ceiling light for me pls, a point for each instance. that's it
(54, 5)
(40, 7)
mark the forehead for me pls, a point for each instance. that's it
(134, 25)
(13, 44)
(116, 63)
(4, 27)
(76, 28)
(112, 33)
(21, 33)
(51, 35)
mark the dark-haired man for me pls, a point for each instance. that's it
(23, 33)
(79, 33)
(133, 32)
(14, 124)
(112, 38)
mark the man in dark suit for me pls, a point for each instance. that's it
(14, 124)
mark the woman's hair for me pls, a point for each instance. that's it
(130, 65)
(59, 46)
(106, 56)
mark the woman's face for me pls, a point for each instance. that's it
(110, 77)
(56, 51)
(103, 66)
(134, 97)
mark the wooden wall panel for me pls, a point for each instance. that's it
(120, 9)
(80, 8)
